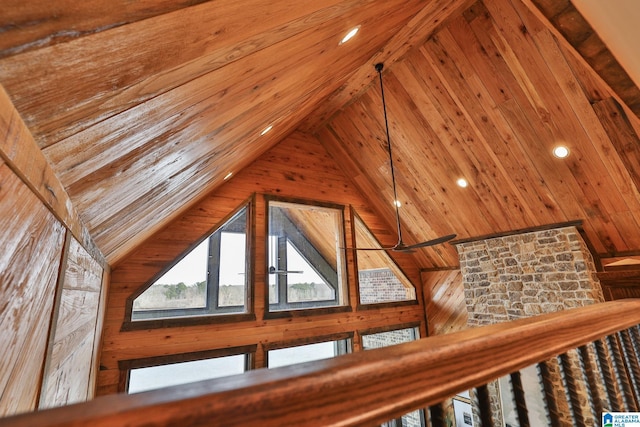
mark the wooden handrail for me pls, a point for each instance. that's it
(356, 389)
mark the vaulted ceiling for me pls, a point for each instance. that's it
(141, 108)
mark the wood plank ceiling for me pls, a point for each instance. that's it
(144, 107)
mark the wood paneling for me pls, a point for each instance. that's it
(71, 355)
(487, 98)
(143, 107)
(42, 23)
(299, 167)
(422, 25)
(31, 239)
(21, 153)
(620, 284)
(567, 20)
(444, 301)
(171, 101)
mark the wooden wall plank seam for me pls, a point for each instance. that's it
(32, 240)
(54, 315)
(21, 153)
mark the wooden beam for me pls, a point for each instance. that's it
(576, 30)
(35, 24)
(21, 153)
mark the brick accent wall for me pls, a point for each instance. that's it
(382, 285)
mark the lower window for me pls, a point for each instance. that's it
(385, 339)
(307, 352)
(160, 376)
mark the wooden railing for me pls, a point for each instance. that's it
(370, 387)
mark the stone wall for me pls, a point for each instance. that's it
(515, 276)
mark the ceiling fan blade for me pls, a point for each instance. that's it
(390, 248)
(432, 242)
(401, 247)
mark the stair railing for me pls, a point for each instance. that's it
(594, 349)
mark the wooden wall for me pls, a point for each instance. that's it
(35, 223)
(297, 167)
(29, 263)
(67, 376)
(444, 301)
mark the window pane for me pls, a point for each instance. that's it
(211, 279)
(150, 378)
(184, 286)
(380, 280)
(307, 353)
(385, 339)
(305, 262)
(307, 285)
(231, 291)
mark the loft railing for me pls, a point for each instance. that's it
(595, 349)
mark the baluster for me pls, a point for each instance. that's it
(592, 384)
(635, 340)
(483, 403)
(631, 363)
(571, 389)
(437, 415)
(621, 374)
(611, 385)
(549, 395)
(518, 395)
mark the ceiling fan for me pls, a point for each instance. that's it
(400, 246)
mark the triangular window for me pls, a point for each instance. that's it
(209, 279)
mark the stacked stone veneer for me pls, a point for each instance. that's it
(515, 276)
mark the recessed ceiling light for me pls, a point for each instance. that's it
(397, 203)
(462, 182)
(561, 151)
(352, 32)
(265, 130)
(227, 176)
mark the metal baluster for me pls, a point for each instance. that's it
(437, 415)
(592, 384)
(549, 395)
(633, 370)
(571, 390)
(484, 406)
(518, 395)
(621, 374)
(635, 340)
(611, 385)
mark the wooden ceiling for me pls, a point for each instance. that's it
(142, 108)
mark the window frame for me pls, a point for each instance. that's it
(294, 309)
(376, 305)
(345, 336)
(212, 312)
(415, 326)
(125, 366)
